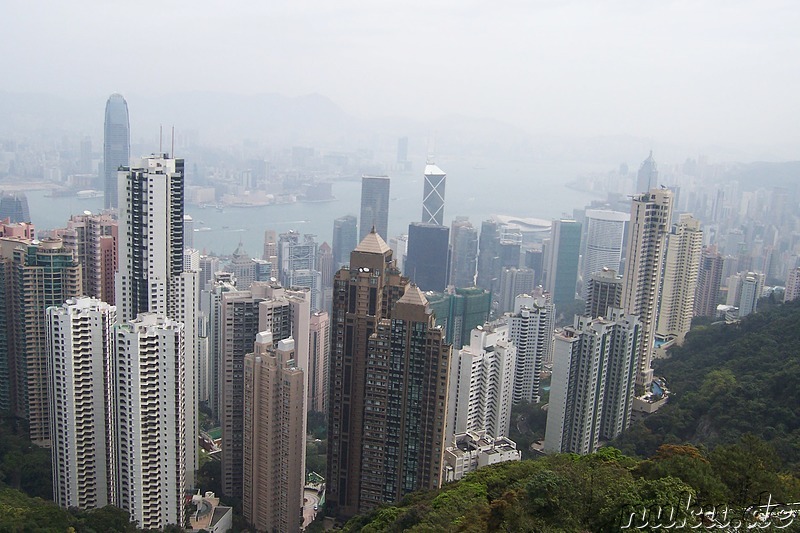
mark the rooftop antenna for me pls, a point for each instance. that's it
(172, 150)
(160, 137)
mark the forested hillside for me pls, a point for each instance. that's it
(728, 380)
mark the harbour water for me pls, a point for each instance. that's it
(523, 189)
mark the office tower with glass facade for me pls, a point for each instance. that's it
(562, 264)
(428, 260)
(374, 206)
(464, 240)
(116, 146)
(605, 234)
(433, 195)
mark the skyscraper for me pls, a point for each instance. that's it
(151, 275)
(45, 274)
(380, 326)
(149, 387)
(605, 233)
(344, 239)
(94, 241)
(274, 432)
(14, 207)
(265, 307)
(404, 445)
(604, 291)
(531, 331)
(459, 310)
(751, 284)
(709, 279)
(239, 328)
(562, 264)
(374, 206)
(682, 262)
(647, 177)
(433, 195)
(428, 260)
(318, 356)
(489, 244)
(513, 282)
(792, 285)
(651, 213)
(592, 385)
(80, 346)
(116, 145)
(482, 384)
(464, 240)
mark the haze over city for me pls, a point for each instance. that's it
(276, 267)
(700, 74)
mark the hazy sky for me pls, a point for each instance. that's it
(695, 70)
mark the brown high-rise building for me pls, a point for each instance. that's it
(44, 274)
(274, 432)
(709, 279)
(388, 385)
(93, 240)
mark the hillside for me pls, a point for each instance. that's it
(728, 380)
(600, 492)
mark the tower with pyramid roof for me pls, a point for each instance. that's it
(388, 371)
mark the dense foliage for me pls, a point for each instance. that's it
(728, 380)
(600, 492)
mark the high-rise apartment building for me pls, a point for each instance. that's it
(531, 330)
(151, 446)
(562, 260)
(94, 239)
(709, 280)
(751, 285)
(679, 283)
(274, 433)
(239, 327)
(318, 356)
(651, 215)
(270, 252)
(604, 290)
(513, 282)
(428, 260)
(266, 307)
(345, 234)
(211, 332)
(385, 430)
(80, 348)
(116, 145)
(482, 384)
(374, 206)
(403, 445)
(592, 385)
(433, 195)
(151, 276)
(605, 233)
(464, 241)
(45, 274)
(792, 285)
